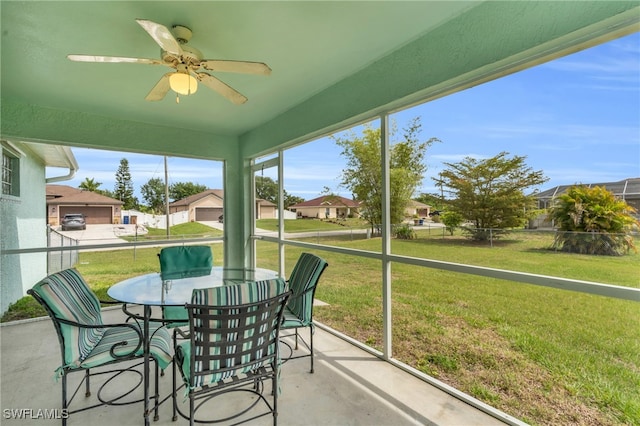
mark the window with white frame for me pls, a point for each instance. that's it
(10, 174)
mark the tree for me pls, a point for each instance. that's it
(290, 200)
(593, 221)
(363, 172)
(490, 193)
(89, 184)
(435, 201)
(153, 192)
(451, 220)
(180, 190)
(123, 189)
(267, 189)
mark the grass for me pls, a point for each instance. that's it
(310, 225)
(181, 231)
(543, 355)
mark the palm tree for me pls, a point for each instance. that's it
(89, 184)
(593, 221)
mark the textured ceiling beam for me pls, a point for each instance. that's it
(40, 124)
(488, 41)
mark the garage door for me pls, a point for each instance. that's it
(204, 214)
(93, 215)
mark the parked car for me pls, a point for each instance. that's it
(435, 213)
(221, 218)
(73, 221)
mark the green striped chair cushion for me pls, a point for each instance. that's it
(185, 261)
(159, 346)
(291, 320)
(302, 282)
(69, 298)
(225, 296)
(177, 316)
(239, 294)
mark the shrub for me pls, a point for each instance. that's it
(451, 220)
(404, 232)
(593, 221)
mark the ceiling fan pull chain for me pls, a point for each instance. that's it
(177, 98)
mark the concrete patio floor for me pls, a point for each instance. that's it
(349, 387)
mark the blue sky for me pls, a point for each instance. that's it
(576, 118)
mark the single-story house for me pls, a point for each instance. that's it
(209, 206)
(265, 209)
(626, 189)
(326, 207)
(416, 208)
(23, 212)
(97, 208)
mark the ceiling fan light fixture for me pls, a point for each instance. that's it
(183, 84)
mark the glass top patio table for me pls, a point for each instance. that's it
(150, 290)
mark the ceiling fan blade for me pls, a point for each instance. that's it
(161, 89)
(113, 59)
(227, 91)
(162, 36)
(244, 67)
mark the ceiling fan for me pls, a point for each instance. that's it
(187, 62)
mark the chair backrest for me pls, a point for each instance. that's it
(67, 297)
(303, 282)
(185, 261)
(234, 329)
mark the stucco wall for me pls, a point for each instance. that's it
(23, 225)
(208, 201)
(317, 212)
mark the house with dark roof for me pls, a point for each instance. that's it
(209, 206)
(326, 207)
(626, 189)
(97, 208)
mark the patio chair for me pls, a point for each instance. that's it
(232, 346)
(182, 262)
(299, 311)
(86, 342)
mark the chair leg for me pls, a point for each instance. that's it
(87, 392)
(192, 411)
(296, 348)
(64, 397)
(274, 391)
(156, 416)
(311, 345)
(174, 391)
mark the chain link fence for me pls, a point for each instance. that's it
(63, 259)
(592, 243)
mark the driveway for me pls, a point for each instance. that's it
(213, 224)
(103, 234)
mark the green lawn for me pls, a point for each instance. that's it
(543, 355)
(183, 230)
(310, 225)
